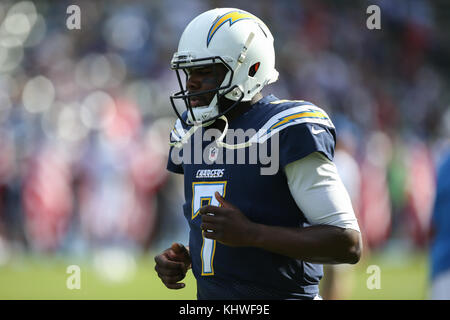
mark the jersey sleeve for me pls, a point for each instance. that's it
(172, 164)
(300, 140)
(317, 189)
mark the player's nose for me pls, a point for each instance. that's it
(193, 83)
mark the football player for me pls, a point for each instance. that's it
(252, 235)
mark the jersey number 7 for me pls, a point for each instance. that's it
(203, 194)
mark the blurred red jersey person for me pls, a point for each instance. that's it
(47, 198)
(121, 177)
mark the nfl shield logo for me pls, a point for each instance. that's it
(213, 154)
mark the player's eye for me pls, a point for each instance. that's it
(199, 71)
(204, 71)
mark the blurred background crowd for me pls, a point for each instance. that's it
(85, 115)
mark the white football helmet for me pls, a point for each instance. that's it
(238, 40)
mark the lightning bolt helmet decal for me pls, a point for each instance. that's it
(232, 17)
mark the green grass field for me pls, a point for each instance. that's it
(403, 277)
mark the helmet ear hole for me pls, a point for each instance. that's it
(252, 70)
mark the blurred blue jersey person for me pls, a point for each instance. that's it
(440, 246)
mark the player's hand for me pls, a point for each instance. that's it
(226, 224)
(172, 265)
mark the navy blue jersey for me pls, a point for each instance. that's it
(224, 272)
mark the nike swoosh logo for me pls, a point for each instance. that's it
(315, 131)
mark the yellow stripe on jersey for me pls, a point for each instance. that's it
(304, 114)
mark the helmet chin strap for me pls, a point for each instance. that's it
(185, 138)
(220, 142)
(210, 109)
(191, 131)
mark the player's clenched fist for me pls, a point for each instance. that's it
(172, 265)
(226, 224)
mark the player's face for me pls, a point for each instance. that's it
(204, 78)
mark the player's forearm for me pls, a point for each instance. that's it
(316, 244)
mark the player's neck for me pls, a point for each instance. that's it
(237, 111)
(242, 107)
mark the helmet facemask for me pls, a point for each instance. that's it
(207, 114)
